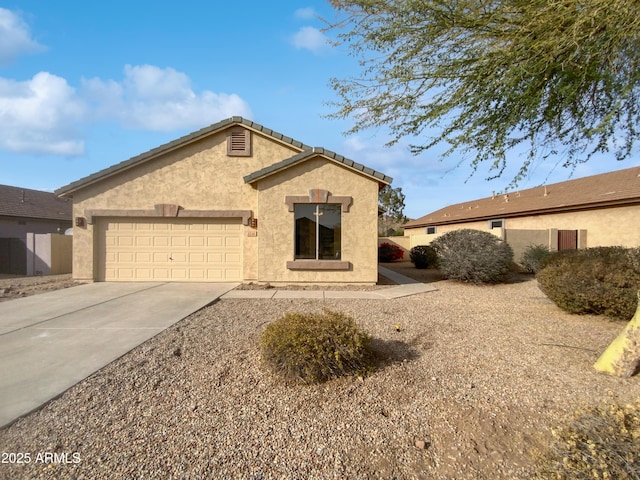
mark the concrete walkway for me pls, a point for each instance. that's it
(51, 341)
(406, 286)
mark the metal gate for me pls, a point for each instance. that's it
(567, 240)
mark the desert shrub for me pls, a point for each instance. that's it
(633, 256)
(423, 256)
(389, 253)
(473, 256)
(534, 256)
(315, 347)
(597, 442)
(600, 280)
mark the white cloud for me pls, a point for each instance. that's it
(310, 38)
(40, 116)
(15, 37)
(44, 115)
(306, 13)
(151, 98)
(354, 144)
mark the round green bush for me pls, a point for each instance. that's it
(600, 280)
(423, 256)
(315, 347)
(534, 256)
(473, 256)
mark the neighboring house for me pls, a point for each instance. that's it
(600, 210)
(24, 212)
(234, 201)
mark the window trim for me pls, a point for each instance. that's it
(496, 220)
(304, 264)
(317, 196)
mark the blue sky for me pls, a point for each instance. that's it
(85, 85)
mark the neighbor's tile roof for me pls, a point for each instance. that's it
(167, 147)
(606, 189)
(24, 202)
(309, 153)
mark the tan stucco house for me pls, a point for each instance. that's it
(599, 210)
(234, 201)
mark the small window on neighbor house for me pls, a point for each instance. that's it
(431, 230)
(496, 224)
(239, 143)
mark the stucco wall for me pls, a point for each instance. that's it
(605, 227)
(276, 223)
(18, 227)
(48, 254)
(417, 236)
(199, 176)
(596, 228)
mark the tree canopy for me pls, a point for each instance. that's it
(548, 77)
(391, 203)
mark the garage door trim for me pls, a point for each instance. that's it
(169, 249)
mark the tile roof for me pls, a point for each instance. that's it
(606, 189)
(23, 202)
(167, 147)
(309, 153)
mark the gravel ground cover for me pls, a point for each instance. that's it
(14, 286)
(469, 389)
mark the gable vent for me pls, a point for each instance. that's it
(239, 142)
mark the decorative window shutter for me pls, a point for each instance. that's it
(239, 142)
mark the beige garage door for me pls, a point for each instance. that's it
(179, 250)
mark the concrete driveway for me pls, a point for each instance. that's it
(49, 342)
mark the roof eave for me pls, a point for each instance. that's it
(305, 155)
(188, 139)
(559, 209)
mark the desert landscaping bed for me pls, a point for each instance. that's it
(480, 374)
(15, 286)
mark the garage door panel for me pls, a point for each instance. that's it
(144, 257)
(160, 273)
(161, 241)
(143, 274)
(198, 241)
(125, 273)
(196, 258)
(232, 242)
(160, 257)
(144, 241)
(197, 274)
(179, 274)
(178, 257)
(215, 241)
(125, 241)
(171, 249)
(178, 241)
(125, 257)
